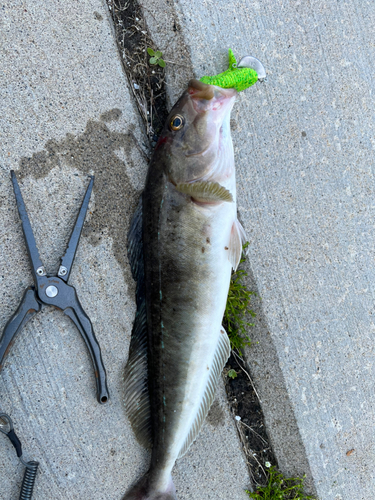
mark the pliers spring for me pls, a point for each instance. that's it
(31, 467)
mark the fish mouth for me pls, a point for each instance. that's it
(213, 105)
(200, 90)
(207, 97)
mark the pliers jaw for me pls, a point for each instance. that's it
(54, 291)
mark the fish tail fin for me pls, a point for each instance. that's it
(143, 490)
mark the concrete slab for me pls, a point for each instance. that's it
(304, 146)
(66, 112)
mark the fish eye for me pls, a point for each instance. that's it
(177, 122)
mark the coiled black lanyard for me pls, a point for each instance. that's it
(31, 467)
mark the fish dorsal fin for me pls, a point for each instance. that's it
(237, 239)
(205, 191)
(221, 357)
(135, 248)
(137, 400)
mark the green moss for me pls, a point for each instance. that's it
(232, 374)
(238, 309)
(280, 488)
(156, 57)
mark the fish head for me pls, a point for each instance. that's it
(196, 136)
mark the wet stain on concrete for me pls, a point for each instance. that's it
(94, 151)
(111, 116)
(98, 16)
(216, 416)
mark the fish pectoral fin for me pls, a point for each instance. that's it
(222, 354)
(237, 239)
(205, 191)
(137, 400)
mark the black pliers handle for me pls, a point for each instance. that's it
(54, 291)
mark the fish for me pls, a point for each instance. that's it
(183, 242)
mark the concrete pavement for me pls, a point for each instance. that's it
(304, 147)
(66, 112)
(304, 153)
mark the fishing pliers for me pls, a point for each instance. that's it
(54, 291)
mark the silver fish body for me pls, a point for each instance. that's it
(191, 239)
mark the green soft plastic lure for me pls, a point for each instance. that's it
(235, 77)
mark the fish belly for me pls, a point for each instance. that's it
(187, 274)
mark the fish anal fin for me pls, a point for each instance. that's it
(137, 401)
(205, 191)
(237, 239)
(221, 357)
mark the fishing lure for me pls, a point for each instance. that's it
(238, 76)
